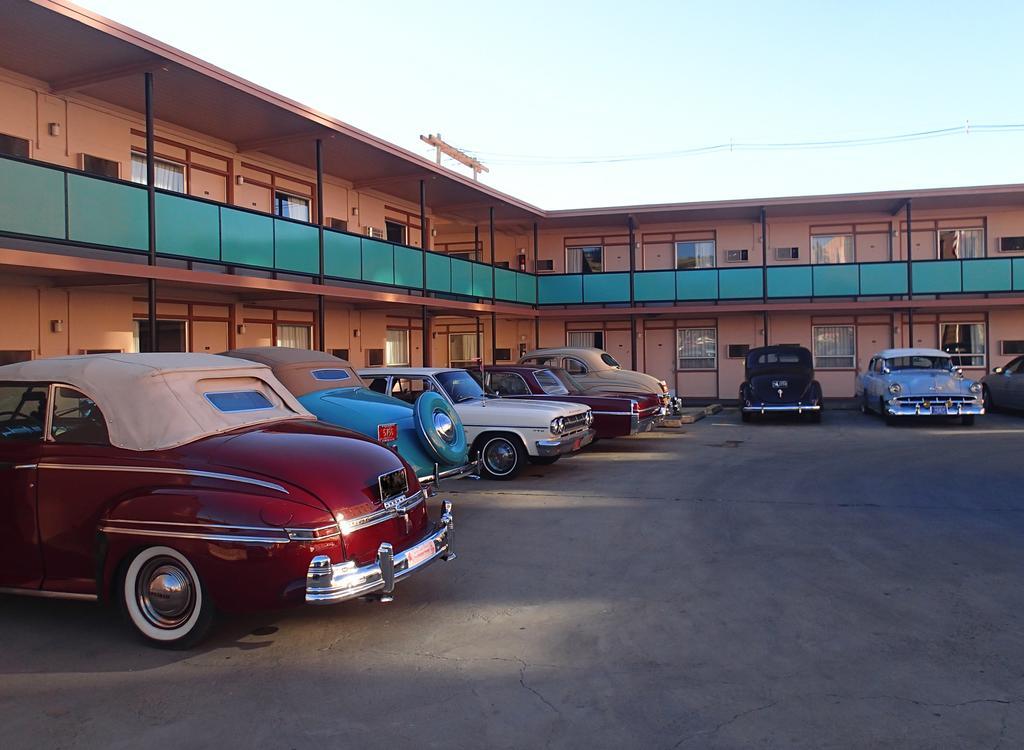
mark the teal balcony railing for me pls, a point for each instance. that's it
(39, 201)
(45, 202)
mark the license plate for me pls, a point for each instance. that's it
(387, 433)
(577, 444)
(936, 409)
(780, 384)
(420, 553)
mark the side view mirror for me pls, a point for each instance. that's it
(886, 370)
(958, 371)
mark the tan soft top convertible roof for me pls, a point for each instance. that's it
(157, 401)
(294, 367)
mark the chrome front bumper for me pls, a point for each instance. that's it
(565, 444)
(774, 408)
(327, 582)
(924, 408)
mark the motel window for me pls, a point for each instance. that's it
(291, 206)
(168, 175)
(961, 243)
(295, 336)
(834, 347)
(588, 259)
(832, 248)
(171, 336)
(13, 146)
(691, 255)
(396, 348)
(697, 348)
(462, 351)
(585, 339)
(965, 341)
(395, 231)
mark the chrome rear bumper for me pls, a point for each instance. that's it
(327, 582)
(773, 408)
(432, 481)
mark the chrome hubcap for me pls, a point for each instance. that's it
(444, 426)
(165, 592)
(500, 457)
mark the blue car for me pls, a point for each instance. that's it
(428, 434)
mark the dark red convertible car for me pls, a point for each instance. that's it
(177, 484)
(615, 414)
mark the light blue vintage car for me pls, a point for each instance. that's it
(428, 434)
(916, 383)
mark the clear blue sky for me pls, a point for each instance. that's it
(583, 79)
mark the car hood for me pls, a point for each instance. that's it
(930, 383)
(515, 412)
(337, 466)
(780, 387)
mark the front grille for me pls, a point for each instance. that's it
(575, 422)
(936, 399)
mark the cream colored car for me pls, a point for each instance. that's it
(597, 371)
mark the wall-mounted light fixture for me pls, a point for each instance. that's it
(355, 210)
(355, 333)
(433, 232)
(241, 329)
(57, 326)
(54, 129)
(239, 179)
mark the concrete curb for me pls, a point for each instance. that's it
(689, 416)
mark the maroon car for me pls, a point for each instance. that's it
(615, 414)
(180, 484)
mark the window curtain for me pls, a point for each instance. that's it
(834, 346)
(587, 339)
(961, 243)
(461, 349)
(584, 259)
(965, 341)
(291, 207)
(832, 249)
(167, 175)
(296, 337)
(697, 348)
(396, 349)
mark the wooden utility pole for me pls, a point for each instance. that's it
(461, 157)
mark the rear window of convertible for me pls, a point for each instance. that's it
(235, 401)
(330, 374)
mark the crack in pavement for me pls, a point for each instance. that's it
(522, 681)
(715, 729)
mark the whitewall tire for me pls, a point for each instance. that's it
(163, 598)
(502, 456)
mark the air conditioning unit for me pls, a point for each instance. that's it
(375, 232)
(545, 265)
(1011, 244)
(787, 253)
(737, 256)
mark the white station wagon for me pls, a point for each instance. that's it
(916, 383)
(504, 433)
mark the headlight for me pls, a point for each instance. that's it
(975, 387)
(556, 425)
(895, 389)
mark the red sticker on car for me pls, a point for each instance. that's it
(387, 433)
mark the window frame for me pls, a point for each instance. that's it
(464, 363)
(407, 343)
(51, 404)
(270, 404)
(939, 231)
(28, 142)
(714, 358)
(594, 345)
(137, 332)
(814, 347)
(713, 256)
(279, 326)
(157, 160)
(832, 235)
(401, 225)
(984, 354)
(288, 194)
(584, 268)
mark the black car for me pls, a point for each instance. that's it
(780, 379)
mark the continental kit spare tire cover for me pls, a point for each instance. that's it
(441, 429)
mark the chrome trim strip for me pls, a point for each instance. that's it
(40, 593)
(617, 413)
(163, 470)
(380, 516)
(186, 535)
(786, 407)
(26, 466)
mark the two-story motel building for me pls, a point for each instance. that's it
(149, 199)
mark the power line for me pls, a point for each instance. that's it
(494, 157)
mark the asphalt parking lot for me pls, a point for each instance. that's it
(723, 585)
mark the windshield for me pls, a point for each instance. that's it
(920, 362)
(609, 360)
(460, 385)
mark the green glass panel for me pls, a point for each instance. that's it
(1018, 274)
(526, 289)
(505, 284)
(655, 286)
(439, 272)
(789, 281)
(560, 290)
(836, 281)
(31, 199)
(482, 283)
(296, 247)
(107, 213)
(408, 267)
(186, 227)
(988, 275)
(378, 262)
(246, 239)
(937, 277)
(462, 277)
(342, 255)
(606, 287)
(888, 279)
(740, 283)
(694, 285)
